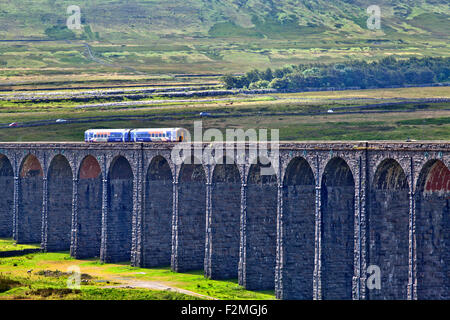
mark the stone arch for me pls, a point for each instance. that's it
(191, 222)
(388, 230)
(433, 231)
(6, 197)
(120, 211)
(158, 208)
(337, 244)
(59, 214)
(225, 221)
(298, 230)
(89, 206)
(29, 218)
(261, 228)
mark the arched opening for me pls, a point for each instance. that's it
(388, 227)
(120, 213)
(6, 197)
(298, 230)
(90, 189)
(225, 221)
(29, 220)
(433, 231)
(59, 216)
(261, 228)
(158, 208)
(191, 218)
(337, 246)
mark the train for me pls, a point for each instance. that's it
(136, 135)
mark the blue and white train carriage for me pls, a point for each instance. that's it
(136, 135)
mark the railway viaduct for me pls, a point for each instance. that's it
(313, 229)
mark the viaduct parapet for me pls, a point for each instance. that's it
(318, 227)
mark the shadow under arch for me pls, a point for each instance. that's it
(120, 211)
(388, 230)
(261, 228)
(433, 231)
(59, 215)
(225, 221)
(158, 209)
(298, 230)
(189, 253)
(338, 211)
(89, 218)
(29, 217)
(6, 197)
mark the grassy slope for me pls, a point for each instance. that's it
(257, 18)
(10, 245)
(217, 36)
(32, 285)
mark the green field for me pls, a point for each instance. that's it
(45, 276)
(198, 36)
(298, 116)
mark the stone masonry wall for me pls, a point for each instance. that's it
(261, 231)
(433, 231)
(337, 241)
(191, 219)
(433, 245)
(298, 229)
(158, 208)
(393, 213)
(338, 210)
(388, 246)
(59, 205)
(120, 212)
(89, 217)
(225, 222)
(29, 223)
(6, 198)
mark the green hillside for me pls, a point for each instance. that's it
(136, 19)
(216, 36)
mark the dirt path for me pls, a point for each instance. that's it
(152, 285)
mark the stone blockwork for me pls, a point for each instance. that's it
(261, 231)
(120, 212)
(88, 223)
(338, 210)
(297, 231)
(6, 197)
(224, 223)
(189, 223)
(310, 229)
(30, 202)
(59, 206)
(388, 230)
(157, 222)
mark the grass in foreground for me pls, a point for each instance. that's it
(11, 245)
(44, 276)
